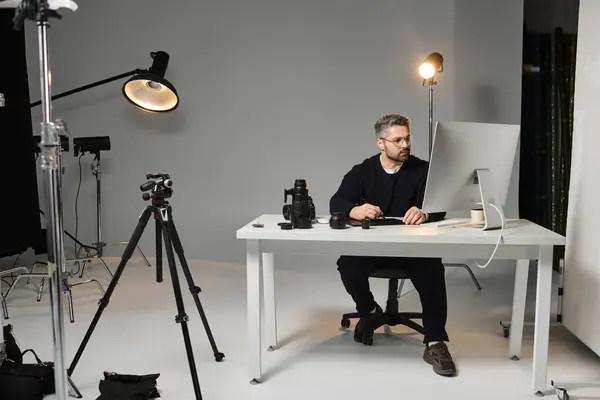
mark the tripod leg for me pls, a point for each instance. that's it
(159, 271)
(195, 290)
(181, 317)
(137, 234)
(73, 391)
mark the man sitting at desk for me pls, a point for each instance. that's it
(392, 184)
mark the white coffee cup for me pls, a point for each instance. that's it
(477, 216)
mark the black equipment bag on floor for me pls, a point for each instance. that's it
(16, 386)
(128, 387)
(19, 381)
(12, 348)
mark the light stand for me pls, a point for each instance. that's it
(96, 172)
(432, 65)
(2, 344)
(431, 83)
(39, 11)
(43, 249)
(147, 89)
(94, 146)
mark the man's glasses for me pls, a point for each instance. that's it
(398, 141)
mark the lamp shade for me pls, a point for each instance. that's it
(432, 64)
(149, 90)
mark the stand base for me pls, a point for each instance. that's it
(493, 217)
(488, 200)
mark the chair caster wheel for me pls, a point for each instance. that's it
(563, 395)
(369, 342)
(345, 323)
(219, 357)
(505, 329)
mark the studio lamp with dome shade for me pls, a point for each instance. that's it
(147, 89)
(432, 65)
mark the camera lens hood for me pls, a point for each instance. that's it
(337, 221)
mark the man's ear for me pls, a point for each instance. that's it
(380, 144)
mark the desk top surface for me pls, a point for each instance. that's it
(516, 232)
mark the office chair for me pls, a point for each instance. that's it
(468, 269)
(391, 315)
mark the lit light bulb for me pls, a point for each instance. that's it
(427, 70)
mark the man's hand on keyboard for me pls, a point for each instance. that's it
(414, 216)
(365, 211)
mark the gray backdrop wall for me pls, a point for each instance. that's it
(270, 91)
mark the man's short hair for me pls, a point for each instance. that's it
(388, 120)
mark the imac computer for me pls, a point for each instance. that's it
(470, 168)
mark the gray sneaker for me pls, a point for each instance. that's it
(440, 359)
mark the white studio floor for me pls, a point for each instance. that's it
(137, 334)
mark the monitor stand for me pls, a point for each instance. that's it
(492, 218)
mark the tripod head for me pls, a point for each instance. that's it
(159, 187)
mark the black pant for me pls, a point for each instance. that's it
(426, 274)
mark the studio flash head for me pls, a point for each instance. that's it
(92, 145)
(159, 186)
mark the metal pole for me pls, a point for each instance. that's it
(96, 170)
(91, 85)
(2, 345)
(430, 117)
(50, 156)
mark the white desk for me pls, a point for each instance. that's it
(523, 241)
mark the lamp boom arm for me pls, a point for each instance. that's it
(91, 85)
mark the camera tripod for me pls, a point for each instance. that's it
(161, 210)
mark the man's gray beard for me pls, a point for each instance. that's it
(397, 157)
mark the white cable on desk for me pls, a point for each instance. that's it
(497, 243)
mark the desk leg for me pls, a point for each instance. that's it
(254, 294)
(542, 320)
(518, 310)
(270, 307)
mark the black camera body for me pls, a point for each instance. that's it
(159, 187)
(301, 212)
